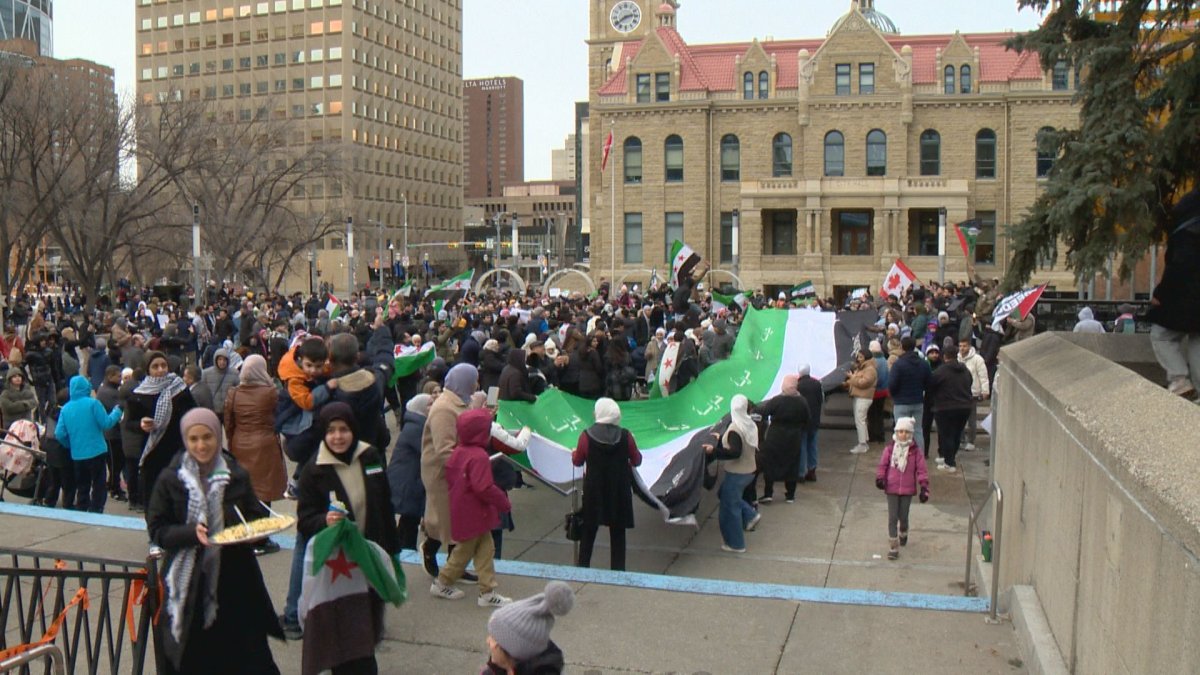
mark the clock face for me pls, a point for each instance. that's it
(625, 16)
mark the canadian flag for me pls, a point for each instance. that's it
(607, 149)
(898, 279)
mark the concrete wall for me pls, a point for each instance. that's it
(1100, 469)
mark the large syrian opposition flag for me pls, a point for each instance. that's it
(410, 359)
(683, 261)
(458, 284)
(1020, 303)
(898, 279)
(770, 344)
(334, 307)
(666, 365)
(341, 567)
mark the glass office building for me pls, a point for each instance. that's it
(29, 20)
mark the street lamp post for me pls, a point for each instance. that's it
(516, 246)
(942, 245)
(733, 244)
(404, 260)
(379, 252)
(196, 251)
(350, 254)
(312, 270)
(496, 222)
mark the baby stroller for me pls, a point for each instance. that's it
(22, 462)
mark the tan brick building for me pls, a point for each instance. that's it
(834, 154)
(382, 78)
(493, 135)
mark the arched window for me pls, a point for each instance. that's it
(731, 158)
(964, 79)
(835, 154)
(876, 153)
(931, 153)
(985, 154)
(673, 159)
(949, 77)
(748, 86)
(1047, 151)
(781, 156)
(633, 160)
(764, 84)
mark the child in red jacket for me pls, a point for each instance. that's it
(475, 507)
(901, 470)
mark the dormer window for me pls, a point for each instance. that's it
(643, 88)
(964, 79)
(949, 79)
(764, 84)
(866, 78)
(748, 86)
(842, 79)
(662, 87)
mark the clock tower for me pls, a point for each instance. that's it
(613, 22)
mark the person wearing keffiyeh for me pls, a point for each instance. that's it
(159, 403)
(218, 613)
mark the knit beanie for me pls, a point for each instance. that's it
(523, 628)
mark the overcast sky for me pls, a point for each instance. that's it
(542, 41)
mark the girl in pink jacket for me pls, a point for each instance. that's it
(901, 470)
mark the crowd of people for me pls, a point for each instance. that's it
(187, 409)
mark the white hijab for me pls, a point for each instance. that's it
(741, 422)
(607, 411)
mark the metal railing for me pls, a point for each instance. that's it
(996, 492)
(105, 608)
(51, 652)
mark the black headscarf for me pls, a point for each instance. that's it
(338, 410)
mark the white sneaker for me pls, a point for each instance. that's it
(1182, 386)
(753, 522)
(437, 590)
(948, 469)
(493, 599)
(969, 447)
(859, 449)
(730, 549)
(941, 461)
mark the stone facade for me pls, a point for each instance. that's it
(839, 224)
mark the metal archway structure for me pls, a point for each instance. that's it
(635, 273)
(479, 285)
(561, 274)
(740, 284)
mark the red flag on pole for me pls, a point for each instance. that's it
(607, 149)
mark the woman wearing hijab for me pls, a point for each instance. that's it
(437, 443)
(352, 472)
(609, 455)
(404, 471)
(788, 413)
(736, 447)
(250, 426)
(159, 403)
(218, 613)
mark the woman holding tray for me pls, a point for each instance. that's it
(218, 613)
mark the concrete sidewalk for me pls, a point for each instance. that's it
(824, 551)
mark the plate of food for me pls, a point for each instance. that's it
(253, 530)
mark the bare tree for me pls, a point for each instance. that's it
(251, 179)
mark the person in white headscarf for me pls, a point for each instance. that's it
(736, 445)
(609, 454)
(900, 473)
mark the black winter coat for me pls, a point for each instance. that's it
(814, 394)
(781, 447)
(404, 468)
(950, 387)
(318, 480)
(1178, 293)
(491, 364)
(591, 373)
(236, 642)
(514, 379)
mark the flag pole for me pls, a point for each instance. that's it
(612, 218)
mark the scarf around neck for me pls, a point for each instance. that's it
(205, 505)
(900, 453)
(169, 384)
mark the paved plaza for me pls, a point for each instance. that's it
(813, 594)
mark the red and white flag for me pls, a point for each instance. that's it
(898, 279)
(607, 149)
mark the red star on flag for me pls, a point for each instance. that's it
(667, 363)
(340, 565)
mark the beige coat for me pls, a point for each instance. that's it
(437, 442)
(862, 380)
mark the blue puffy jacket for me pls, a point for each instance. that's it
(83, 421)
(908, 379)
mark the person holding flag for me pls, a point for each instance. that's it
(346, 481)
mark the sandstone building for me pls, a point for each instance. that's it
(834, 155)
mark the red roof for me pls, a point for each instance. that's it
(712, 67)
